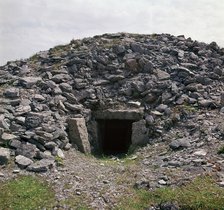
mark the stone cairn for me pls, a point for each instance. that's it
(162, 75)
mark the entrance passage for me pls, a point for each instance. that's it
(114, 136)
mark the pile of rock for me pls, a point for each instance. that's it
(169, 77)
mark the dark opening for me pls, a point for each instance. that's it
(114, 136)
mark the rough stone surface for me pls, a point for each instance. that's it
(23, 161)
(78, 134)
(174, 83)
(179, 144)
(41, 166)
(139, 133)
(4, 156)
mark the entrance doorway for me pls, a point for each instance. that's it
(114, 136)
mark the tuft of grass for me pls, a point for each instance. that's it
(221, 150)
(59, 161)
(201, 194)
(25, 193)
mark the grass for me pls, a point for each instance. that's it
(26, 193)
(221, 150)
(201, 194)
(76, 202)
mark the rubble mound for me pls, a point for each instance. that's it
(155, 82)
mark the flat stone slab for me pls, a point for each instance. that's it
(23, 161)
(78, 134)
(132, 114)
(41, 166)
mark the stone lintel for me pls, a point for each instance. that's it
(130, 114)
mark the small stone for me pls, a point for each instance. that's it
(29, 82)
(106, 181)
(38, 97)
(200, 152)
(27, 150)
(41, 166)
(142, 184)
(134, 103)
(162, 75)
(179, 144)
(8, 137)
(16, 171)
(162, 182)
(2, 175)
(174, 163)
(23, 161)
(11, 93)
(67, 146)
(199, 161)
(222, 110)
(59, 153)
(221, 184)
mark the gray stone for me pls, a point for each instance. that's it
(200, 152)
(41, 166)
(149, 119)
(6, 137)
(59, 78)
(58, 152)
(182, 71)
(142, 184)
(206, 103)
(4, 155)
(179, 144)
(39, 97)
(139, 133)
(27, 150)
(11, 93)
(23, 161)
(78, 134)
(128, 114)
(29, 82)
(15, 143)
(174, 163)
(1, 132)
(222, 99)
(50, 145)
(22, 110)
(67, 146)
(162, 75)
(65, 87)
(73, 107)
(3, 123)
(33, 121)
(162, 182)
(132, 64)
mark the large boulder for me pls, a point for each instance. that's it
(78, 134)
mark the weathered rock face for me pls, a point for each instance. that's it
(165, 76)
(78, 134)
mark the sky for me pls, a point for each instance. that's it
(30, 26)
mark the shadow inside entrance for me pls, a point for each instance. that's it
(114, 136)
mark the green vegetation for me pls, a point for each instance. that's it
(59, 161)
(221, 150)
(76, 202)
(201, 194)
(25, 193)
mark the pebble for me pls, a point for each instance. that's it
(162, 182)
